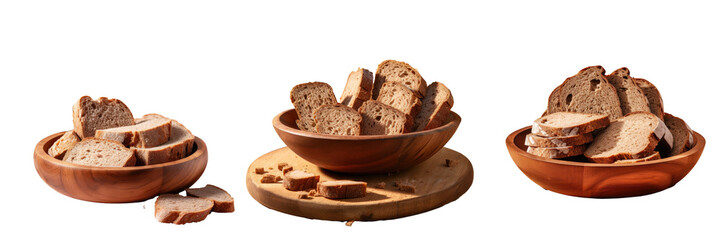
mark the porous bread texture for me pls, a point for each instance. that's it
(357, 89)
(435, 108)
(681, 132)
(634, 136)
(146, 134)
(176, 209)
(298, 180)
(630, 96)
(306, 98)
(381, 119)
(337, 119)
(63, 144)
(562, 124)
(222, 201)
(340, 189)
(557, 152)
(587, 92)
(400, 72)
(655, 102)
(533, 140)
(179, 146)
(399, 97)
(653, 156)
(90, 115)
(97, 152)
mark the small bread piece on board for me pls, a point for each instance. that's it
(63, 144)
(146, 134)
(435, 109)
(337, 119)
(653, 156)
(634, 136)
(306, 98)
(222, 201)
(563, 124)
(682, 134)
(557, 152)
(179, 145)
(586, 92)
(90, 115)
(97, 152)
(298, 180)
(342, 189)
(357, 89)
(173, 208)
(400, 72)
(533, 140)
(381, 119)
(655, 102)
(269, 178)
(630, 96)
(399, 97)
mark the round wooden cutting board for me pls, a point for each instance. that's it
(435, 185)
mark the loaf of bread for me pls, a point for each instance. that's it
(179, 145)
(533, 140)
(90, 115)
(306, 98)
(63, 144)
(655, 102)
(586, 92)
(435, 109)
(357, 89)
(173, 208)
(342, 189)
(146, 134)
(222, 201)
(630, 96)
(563, 124)
(337, 119)
(97, 152)
(399, 97)
(634, 136)
(381, 119)
(400, 72)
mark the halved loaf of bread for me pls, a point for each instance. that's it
(400, 72)
(90, 115)
(435, 109)
(562, 124)
(630, 96)
(306, 98)
(63, 144)
(357, 89)
(150, 133)
(533, 140)
(222, 201)
(173, 208)
(337, 119)
(655, 102)
(97, 152)
(587, 92)
(179, 145)
(634, 136)
(682, 134)
(557, 152)
(381, 119)
(653, 156)
(399, 97)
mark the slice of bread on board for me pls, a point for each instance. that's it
(340, 189)
(306, 98)
(337, 119)
(179, 145)
(533, 140)
(633, 136)
(63, 144)
(435, 109)
(176, 209)
(381, 119)
(399, 97)
(563, 124)
(90, 115)
(222, 201)
(587, 92)
(146, 134)
(400, 72)
(655, 102)
(97, 152)
(630, 96)
(357, 89)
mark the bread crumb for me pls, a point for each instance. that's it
(278, 178)
(304, 196)
(270, 168)
(380, 185)
(259, 170)
(451, 162)
(269, 178)
(406, 187)
(288, 169)
(312, 193)
(349, 223)
(282, 165)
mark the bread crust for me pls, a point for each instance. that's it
(81, 119)
(63, 144)
(382, 78)
(355, 99)
(439, 115)
(223, 206)
(653, 96)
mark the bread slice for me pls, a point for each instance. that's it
(97, 152)
(557, 152)
(400, 72)
(306, 98)
(179, 145)
(146, 134)
(655, 102)
(634, 136)
(682, 134)
(90, 115)
(63, 144)
(222, 201)
(435, 109)
(298, 180)
(563, 124)
(342, 189)
(381, 119)
(173, 208)
(399, 97)
(587, 92)
(337, 119)
(357, 89)
(533, 140)
(653, 156)
(630, 96)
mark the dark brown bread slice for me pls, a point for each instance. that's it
(682, 134)
(63, 144)
(435, 109)
(298, 180)
(176, 209)
(400, 72)
(399, 97)
(633, 136)
(90, 115)
(179, 145)
(653, 156)
(146, 134)
(97, 152)
(533, 140)
(563, 124)
(337, 119)
(655, 102)
(222, 201)
(342, 189)
(357, 89)
(557, 152)
(381, 119)
(587, 92)
(630, 96)
(306, 98)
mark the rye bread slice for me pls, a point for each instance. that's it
(653, 156)
(563, 124)
(179, 145)
(357, 89)
(399, 97)
(222, 201)
(150, 133)
(400, 72)
(97, 152)
(337, 119)
(682, 134)
(306, 98)
(63, 144)
(90, 115)
(655, 102)
(298, 180)
(533, 140)
(633, 136)
(630, 96)
(381, 119)
(340, 189)
(435, 109)
(587, 92)
(557, 152)
(176, 209)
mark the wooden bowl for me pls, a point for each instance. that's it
(598, 180)
(118, 184)
(363, 154)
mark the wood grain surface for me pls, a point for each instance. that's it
(436, 185)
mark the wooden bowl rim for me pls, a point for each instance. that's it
(699, 144)
(454, 122)
(40, 152)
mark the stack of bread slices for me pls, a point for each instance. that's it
(105, 134)
(397, 101)
(563, 134)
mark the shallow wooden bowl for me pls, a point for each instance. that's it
(118, 184)
(597, 180)
(363, 154)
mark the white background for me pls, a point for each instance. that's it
(225, 68)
